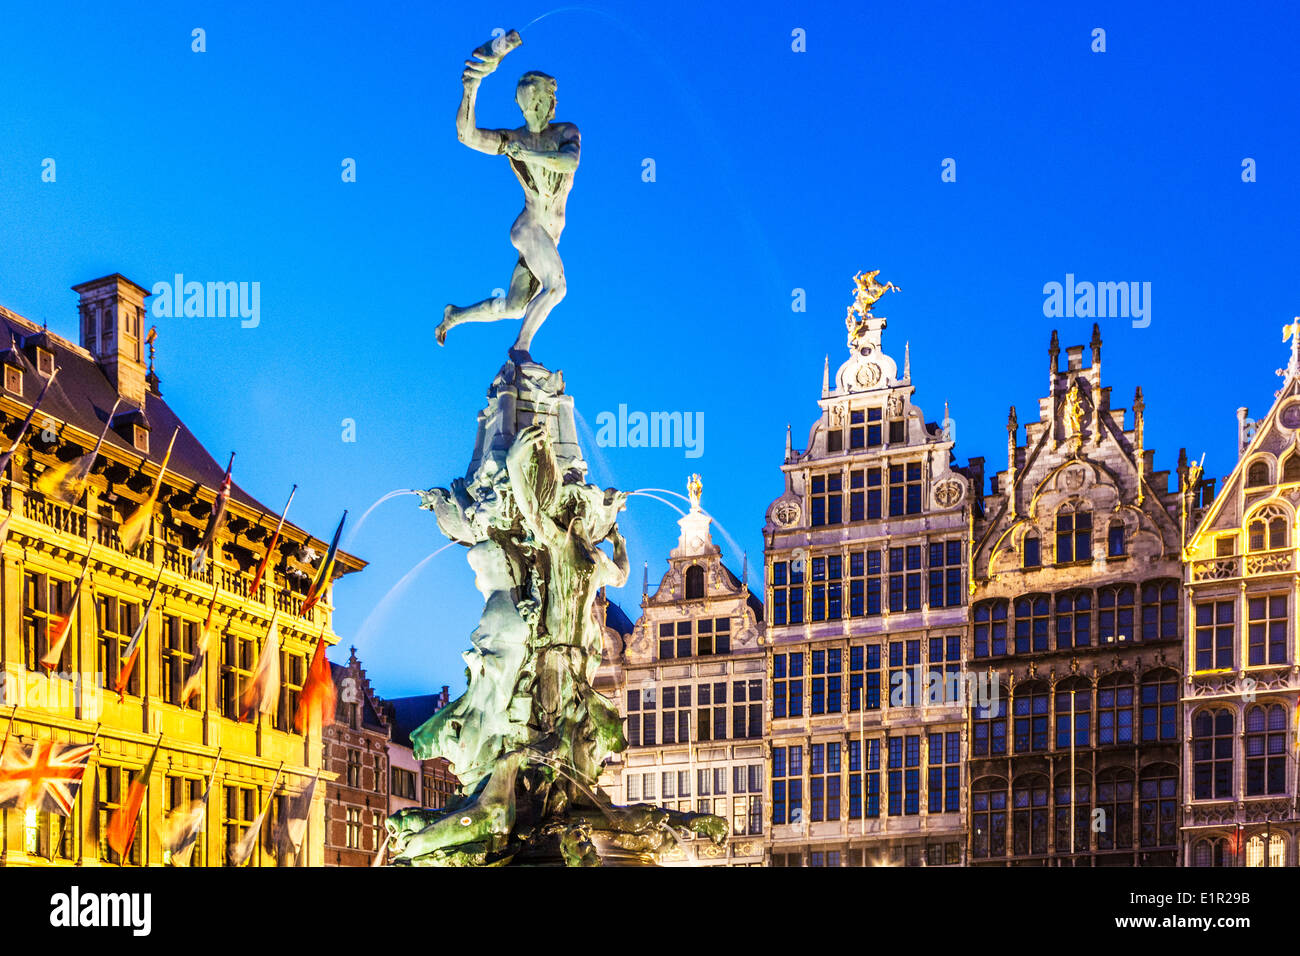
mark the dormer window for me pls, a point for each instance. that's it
(694, 582)
(45, 362)
(13, 380)
(140, 438)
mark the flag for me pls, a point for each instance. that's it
(263, 691)
(179, 833)
(194, 679)
(67, 481)
(135, 529)
(22, 430)
(323, 573)
(126, 662)
(57, 636)
(294, 827)
(270, 548)
(46, 775)
(215, 520)
(239, 852)
(318, 697)
(121, 827)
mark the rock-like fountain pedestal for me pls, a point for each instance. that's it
(529, 736)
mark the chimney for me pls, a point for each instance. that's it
(112, 330)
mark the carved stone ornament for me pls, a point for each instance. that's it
(868, 374)
(786, 514)
(895, 406)
(1074, 479)
(948, 493)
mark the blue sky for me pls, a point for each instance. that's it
(775, 170)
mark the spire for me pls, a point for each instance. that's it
(1053, 365)
(789, 447)
(1292, 332)
(1139, 406)
(907, 361)
(826, 377)
(645, 579)
(1096, 344)
(744, 571)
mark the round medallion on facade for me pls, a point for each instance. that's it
(786, 514)
(1289, 416)
(948, 493)
(1074, 479)
(868, 374)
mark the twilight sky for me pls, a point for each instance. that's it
(774, 170)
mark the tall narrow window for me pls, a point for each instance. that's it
(1215, 627)
(1265, 750)
(1212, 741)
(1267, 630)
(694, 582)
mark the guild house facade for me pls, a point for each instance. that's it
(1076, 618)
(691, 682)
(866, 606)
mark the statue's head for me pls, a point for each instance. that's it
(536, 98)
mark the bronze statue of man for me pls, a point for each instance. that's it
(544, 156)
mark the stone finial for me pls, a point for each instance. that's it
(826, 377)
(1096, 344)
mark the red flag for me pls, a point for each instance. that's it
(270, 548)
(323, 573)
(194, 679)
(121, 827)
(125, 667)
(46, 775)
(215, 520)
(318, 697)
(58, 634)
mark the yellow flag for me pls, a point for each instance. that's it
(67, 481)
(136, 528)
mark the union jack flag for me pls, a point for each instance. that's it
(46, 775)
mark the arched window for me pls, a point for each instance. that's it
(1159, 609)
(1115, 709)
(1265, 750)
(1212, 739)
(1115, 801)
(1115, 540)
(1079, 692)
(990, 628)
(694, 582)
(989, 725)
(1115, 617)
(1257, 474)
(1029, 815)
(1032, 552)
(1291, 468)
(1213, 853)
(1276, 850)
(1266, 529)
(1029, 707)
(1073, 535)
(1157, 790)
(1082, 804)
(1160, 705)
(989, 818)
(1073, 619)
(1033, 618)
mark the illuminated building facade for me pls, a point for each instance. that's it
(49, 542)
(866, 607)
(1076, 624)
(1241, 684)
(690, 683)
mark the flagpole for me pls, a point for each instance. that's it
(9, 726)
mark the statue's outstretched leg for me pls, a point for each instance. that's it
(522, 288)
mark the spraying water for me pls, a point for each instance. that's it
(736, 548)
(357, 527)
(396, 591)
(642, 494)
